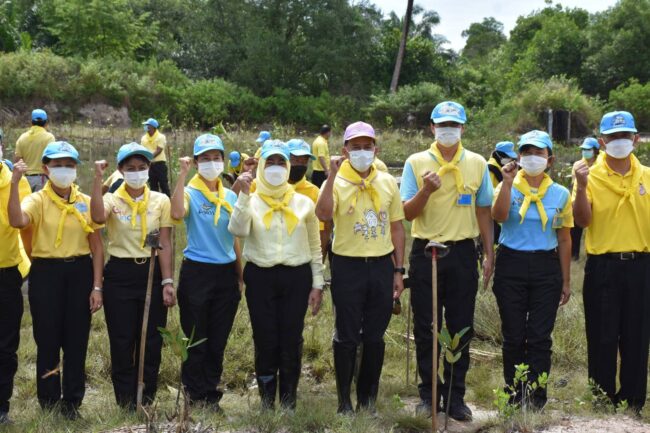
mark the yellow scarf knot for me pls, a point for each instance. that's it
(280, 206)
(67, 207)
(217, 200)
(350, 175)
(137, 208)
(450, 166)
(521, 184)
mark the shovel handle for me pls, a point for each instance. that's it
(143, 335)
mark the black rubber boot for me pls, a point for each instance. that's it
(268, 386)
(289, 377)
(372, 362)
(344, 359)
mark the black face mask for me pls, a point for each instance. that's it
(297, 172)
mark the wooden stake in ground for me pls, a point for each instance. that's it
(153, 241)
(408, 337)
(435, 250)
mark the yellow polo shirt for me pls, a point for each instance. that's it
(124, 240)
(320, 148)
(258, 152)
(153, 142)
(380, 165)
(443, 218)
(627, 230)
(362, 231)
(30, 147)
(237, 170)
(10, 248)
(44, 217)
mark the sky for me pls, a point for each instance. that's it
(457, 15)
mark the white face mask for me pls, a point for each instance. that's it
(506, 161)
(136, 179)
(588, 154)
(620, 148)
(361, 160)
(210, 170)
(533, 165)
(62, 177)
(276, 175)
(447, 136)
(1, 152)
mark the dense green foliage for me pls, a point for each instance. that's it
(200, 62)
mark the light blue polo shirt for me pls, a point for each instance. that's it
(206, 242)
(528, 236)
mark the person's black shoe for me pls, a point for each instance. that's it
(424, 409)
(460, 412)
(70, 413)
(4, 419)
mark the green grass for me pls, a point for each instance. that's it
(317, 392)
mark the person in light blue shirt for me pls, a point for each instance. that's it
(532, 269)
(211, 273)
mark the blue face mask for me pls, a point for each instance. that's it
(588, 154)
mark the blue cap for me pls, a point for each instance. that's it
(275, 147)
(206, 142)
(617, 121)
(264, 135)
(507, 147)
(39, 114)
(151, 122)
(536, 138)
(235, 158)
(590, 143)
(133, 148)
(449, 111)
(299, 147)
(59, 150)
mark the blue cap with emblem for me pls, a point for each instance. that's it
(536, 138)
(133, 148)
(507, 148)
(299, 147)
(590, 143)
(206, 142)
(275, 147)
(617, 121)
(59, 150)
(152, 122)
(449, 111)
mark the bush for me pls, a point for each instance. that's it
(287, 107)
(635, 98)
(409, 106)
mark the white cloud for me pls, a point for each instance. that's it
(456, 16)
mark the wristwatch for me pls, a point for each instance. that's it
(400, 270)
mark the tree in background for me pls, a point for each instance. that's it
(483, 38)
(402, 47)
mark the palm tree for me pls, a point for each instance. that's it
(402, 47)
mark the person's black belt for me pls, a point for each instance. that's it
(8, 269)
(632, 255)
(136, 260)
(196, 262)
(540, 252)
(423, 242)
(62, 259)
(32, 175)
(366, 259)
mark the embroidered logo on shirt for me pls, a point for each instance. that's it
(81, 207)
(373, 224)
(207, 209)
(641, 190)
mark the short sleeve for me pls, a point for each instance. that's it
(485, 191)
(33, 207)
(18, 152)
(165, 213)
(24, 189)
(567, 212)
(409, 186)
(497, 190)
(162, 141)
(396, 208)
(186, 202)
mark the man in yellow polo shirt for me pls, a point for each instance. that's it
(156, 143)
(321, 151)
(11, 298)
(30, 147)
(367, 263)
(447, 194)
(611, 200)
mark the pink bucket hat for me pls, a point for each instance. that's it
(358, 129)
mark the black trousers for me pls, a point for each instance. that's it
(576, 238)
(277, 300)
(527, 287)
(616, 297)
(11, 311)
(59, 293)
(457, 287)
(125, 286)
(208, 297)
(158, 177)
(318, 177)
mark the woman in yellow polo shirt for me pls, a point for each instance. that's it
(283, 273)
(65, 283)
(130, 213)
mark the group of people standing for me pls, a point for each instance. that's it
(450, 195)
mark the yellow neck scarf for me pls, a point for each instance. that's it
(137, 208)
(277, 198)
(66, 207)
(217, 200)
(627, 193)
(450, 166)
(521, 184)
(350, 175)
